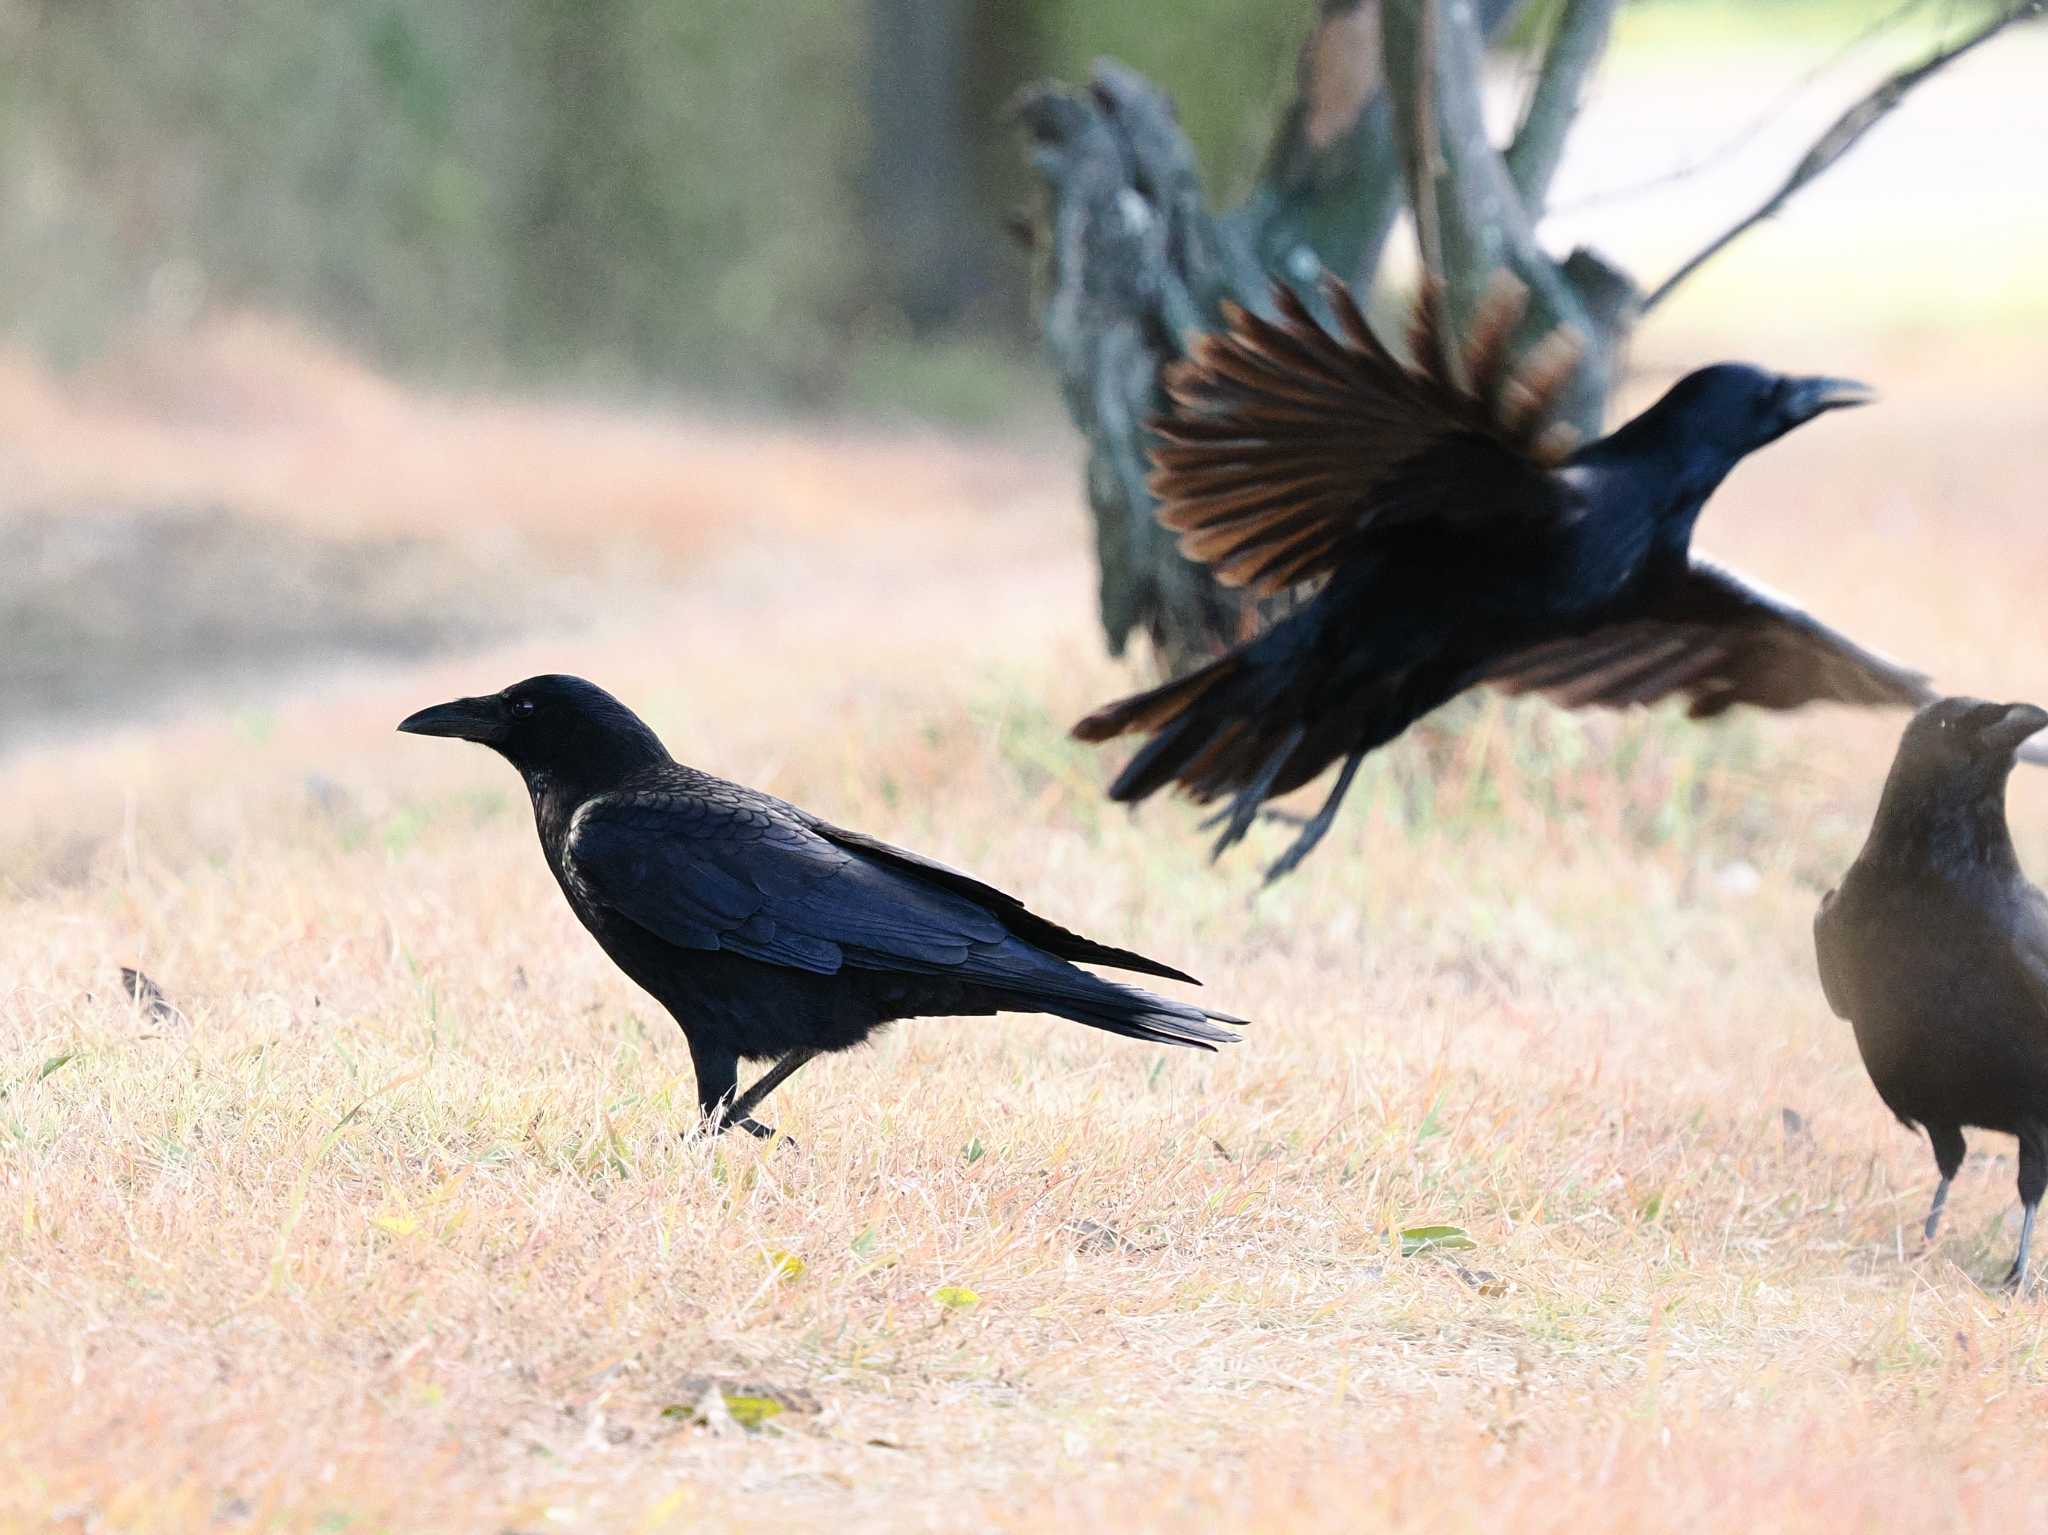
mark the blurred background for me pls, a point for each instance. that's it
(625, 193)
(357, 354)
(250, 251)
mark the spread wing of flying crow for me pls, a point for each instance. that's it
(1717, 639)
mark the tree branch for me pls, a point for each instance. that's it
(1470, 217)
(1576, 44)
(1331, 186)
(1842, 136)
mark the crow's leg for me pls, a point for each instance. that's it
(2016, 1276)
(1948, 1157)
(718, 1078)
(718, 1082)
(1313, 830)
(1244, 809)
(741, 1112)
(2033, 1183)
(1271, 813)
(1934, 1211)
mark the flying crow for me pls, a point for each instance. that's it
(1458, 539)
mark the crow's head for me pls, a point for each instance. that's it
(1944, 801)
(1737, 409)
(1967, 741)
(561, 727)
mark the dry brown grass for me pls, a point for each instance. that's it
(394, 1230)
(254, 414)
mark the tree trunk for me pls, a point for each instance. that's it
(1130, 262)
(937, 171)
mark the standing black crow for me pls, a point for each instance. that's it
(1459, 541)
(766, 932)
(1936, 948)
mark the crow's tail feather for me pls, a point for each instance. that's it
(1242, 726)
(1169, 713)
(1137, 1014)
(1256, 722)
(1224, 727)
(1021, 978)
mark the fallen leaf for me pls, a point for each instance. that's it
(1416, 1240)
(728, 1407)
(1487, 1283)
(1096, 1237)
(146, 994)
(753, 1411)
(1797, 1134)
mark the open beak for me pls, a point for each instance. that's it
(2021, 721)
(1810, 396)
(463, 719)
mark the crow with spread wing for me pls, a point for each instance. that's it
(768, 933)
(1458, 539)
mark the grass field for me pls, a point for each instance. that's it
(389, 1226)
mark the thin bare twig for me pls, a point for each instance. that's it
(1751, 130)
(1429, 229)
(1842, 136)
(1576, 43)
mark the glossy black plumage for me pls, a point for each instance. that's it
(766, 932)
(1459, 540)
(1935, 947)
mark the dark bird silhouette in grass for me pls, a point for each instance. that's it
(1458, 539)
(1935, 947)
(766, 932)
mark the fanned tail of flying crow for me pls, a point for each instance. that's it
(1455, 536)
(767, 932)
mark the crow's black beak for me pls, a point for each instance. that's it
(464, 719)
(1808, 397)
(2021, 721)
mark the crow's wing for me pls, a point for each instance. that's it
(1834, 982)
(1719, 640)
(2030, 947)
(714, 866)
(1290, 445)
(717, 867)
(1016, 918)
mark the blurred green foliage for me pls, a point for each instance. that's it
(608, 192)
(1229, 66)
(611, 191)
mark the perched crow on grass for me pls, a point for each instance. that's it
(1459, 541)
(1936, 948)
(769, 933)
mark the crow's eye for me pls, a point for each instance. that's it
(522, 707)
